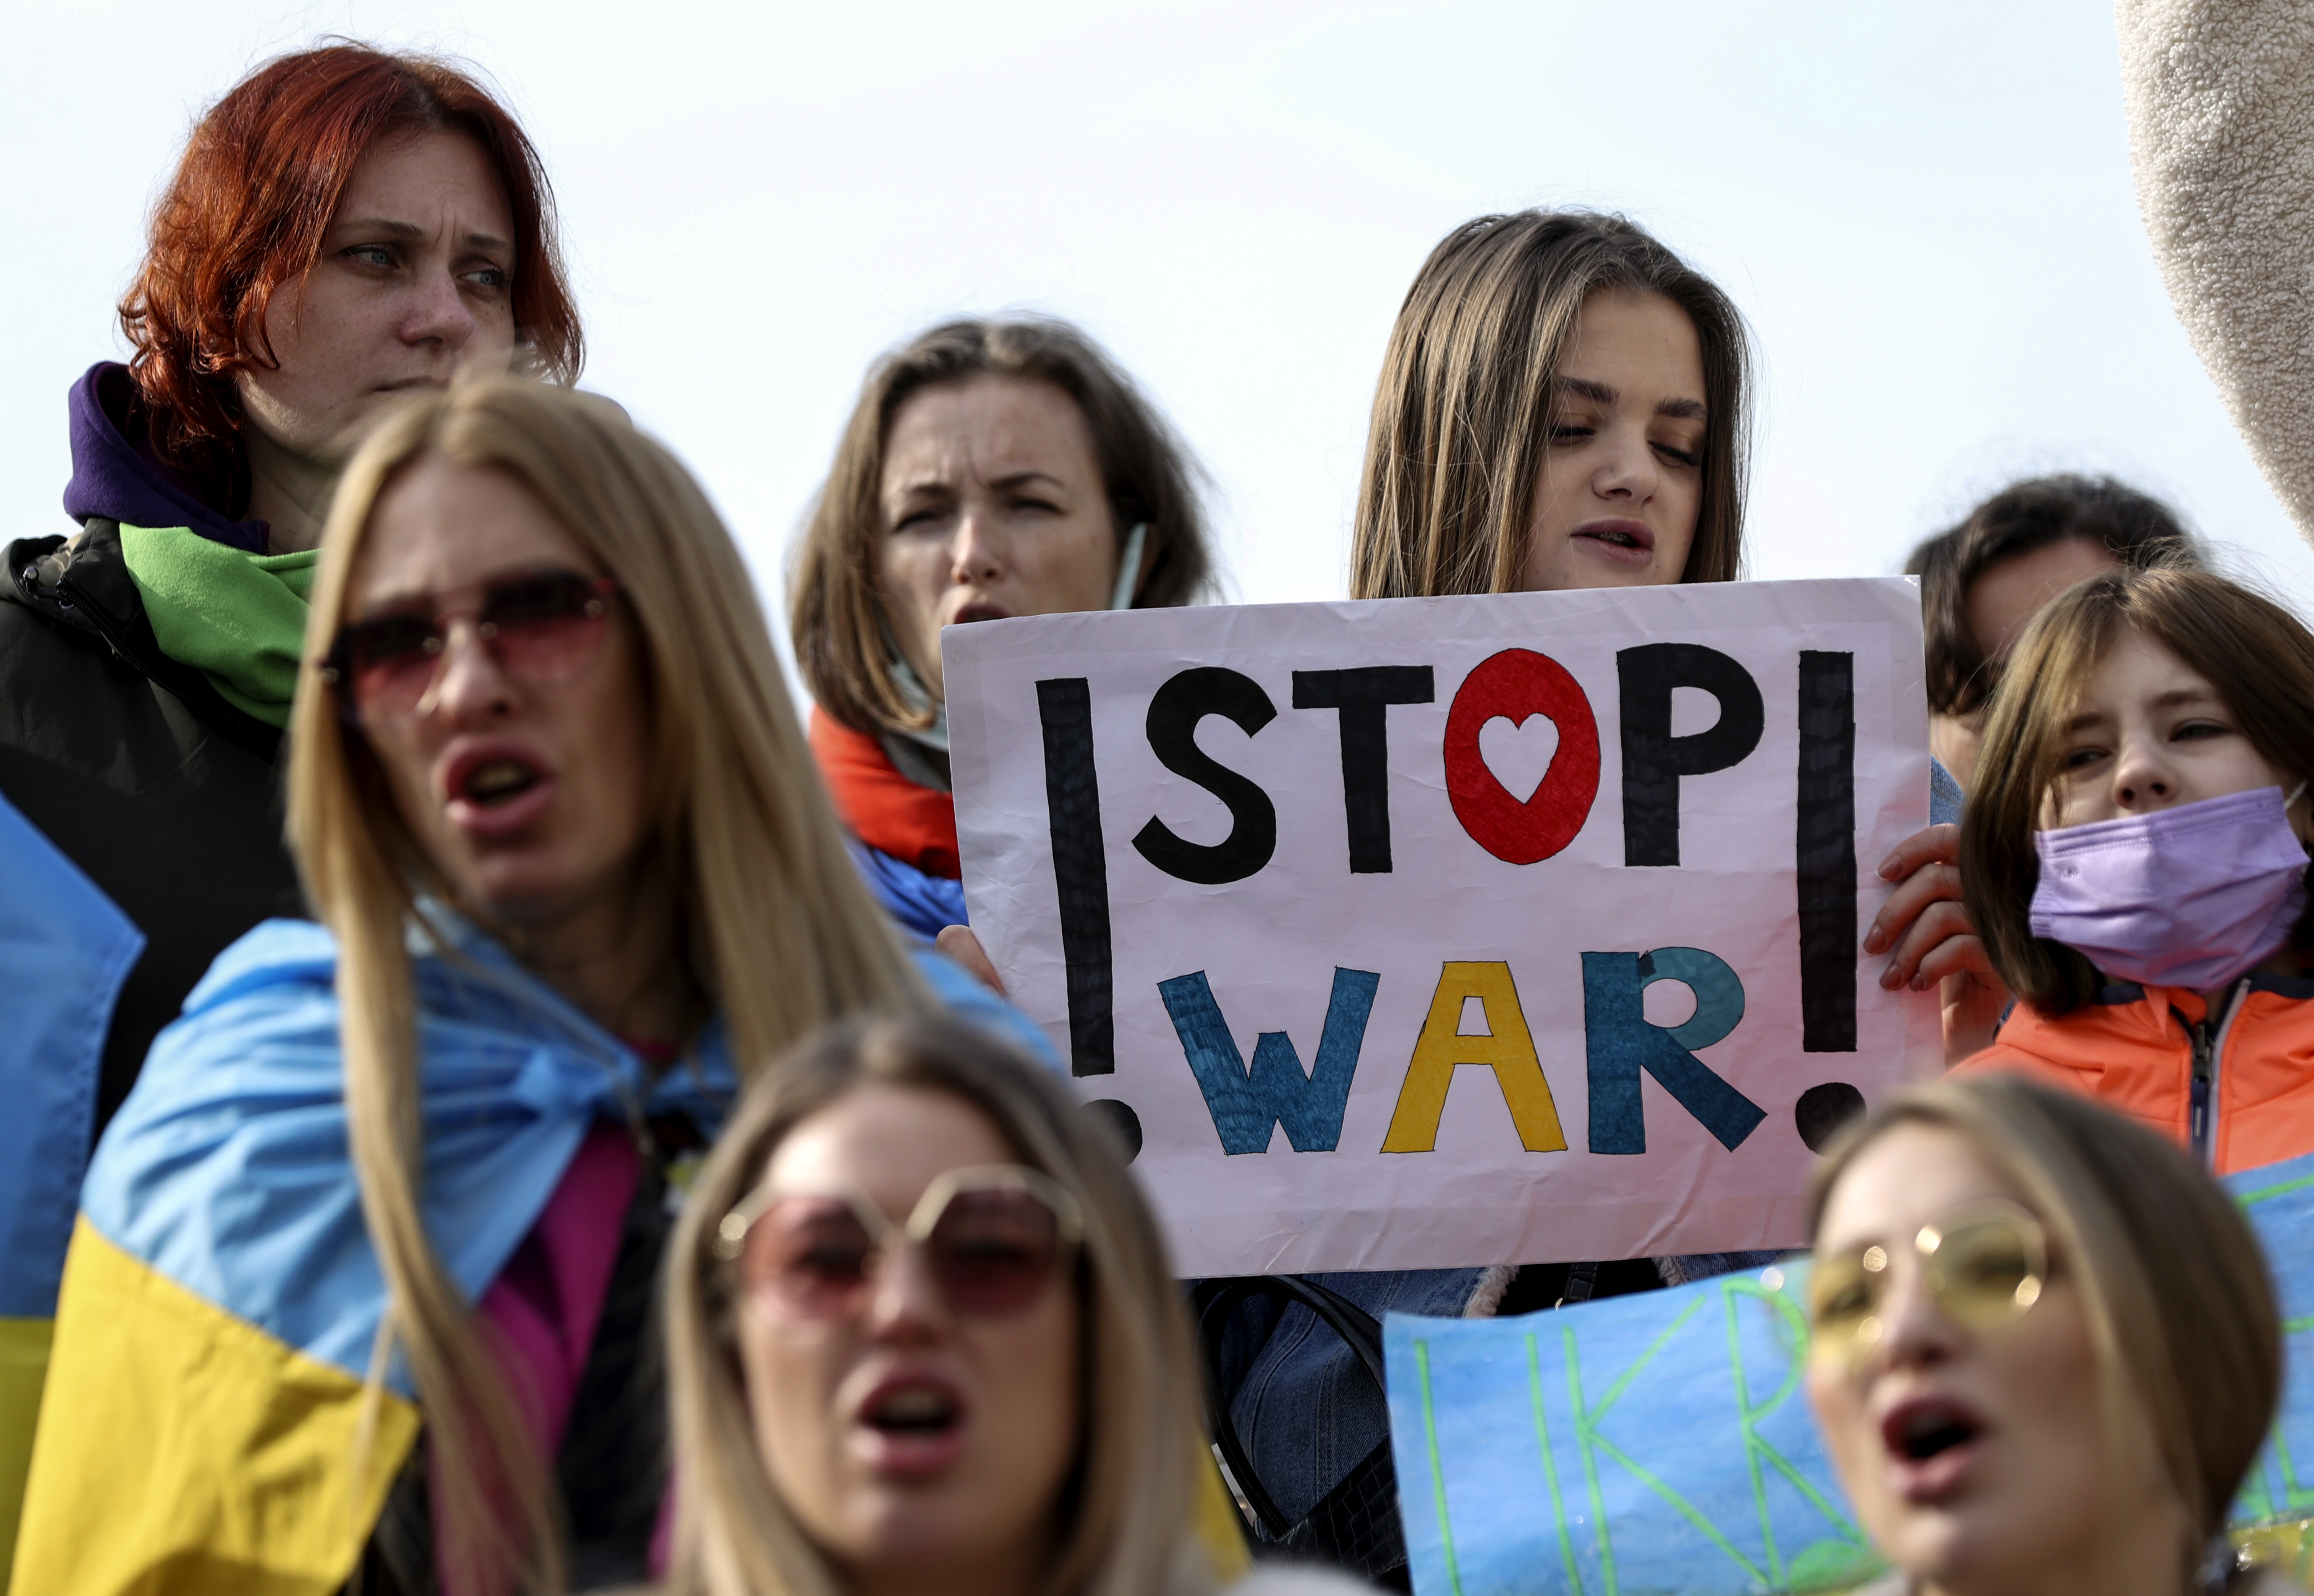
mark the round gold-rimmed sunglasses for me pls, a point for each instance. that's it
(996, 1236)
(1984, 1264)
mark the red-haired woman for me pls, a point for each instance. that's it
(346, 225)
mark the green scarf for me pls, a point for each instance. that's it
(239, 618)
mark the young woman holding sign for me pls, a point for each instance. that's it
(2135, 848)
(365, 1264)
(2045, 1348)
(1564, 404)
(990, 469)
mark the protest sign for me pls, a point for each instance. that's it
(1432, 932)
(1661, 1443)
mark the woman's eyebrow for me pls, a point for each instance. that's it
(387, 227)
(1584, 388)
(2185, 695)
(1598, 392)
(391, 229)
(931, 481)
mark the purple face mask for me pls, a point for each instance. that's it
(2190, 897)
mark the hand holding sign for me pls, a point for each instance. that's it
(1280, 879)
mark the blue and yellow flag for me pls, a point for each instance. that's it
(205, 1402)
(67, 948)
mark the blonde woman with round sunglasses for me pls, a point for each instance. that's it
(924, 1336)
(2045, 1347)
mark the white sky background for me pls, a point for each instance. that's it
(1925, 213)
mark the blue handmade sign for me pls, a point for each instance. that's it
(1661, 1443)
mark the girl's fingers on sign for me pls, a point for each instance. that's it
(1926, 867)
(1941, 941)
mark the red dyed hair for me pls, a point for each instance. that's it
(246, 212)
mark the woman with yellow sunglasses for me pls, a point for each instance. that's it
(2045, 1351)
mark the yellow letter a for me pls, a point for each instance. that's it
(1509, 1052)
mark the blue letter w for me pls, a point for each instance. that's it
(1245, 1104)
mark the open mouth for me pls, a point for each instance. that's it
(1920, 1431)
(497, 782)
(915, 1412)
(1624, 534)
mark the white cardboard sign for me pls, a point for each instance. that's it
(1443, 933)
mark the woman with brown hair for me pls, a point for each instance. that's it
(407, 1172)
(347, 226)
(990, 469)
(1564, 403)
(2045, 1347)
(923, 1336)
(2135, 849)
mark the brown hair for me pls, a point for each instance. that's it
(1130, 1530)
(833, 611)
(2180, 1306)
(1465, 399)
(2256, 654)
(773, 917)
(247, 211)
(2136, 529)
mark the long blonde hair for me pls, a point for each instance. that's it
(1128, 1528)
(1460, 417)
(2180, 1307)
(779, 932)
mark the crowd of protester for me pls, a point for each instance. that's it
(558, 1130)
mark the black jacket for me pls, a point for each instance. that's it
(164, 794)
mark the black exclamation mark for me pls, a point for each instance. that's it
(1825, 851)
(1079, 871)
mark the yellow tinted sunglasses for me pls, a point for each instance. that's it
(1984, 1264)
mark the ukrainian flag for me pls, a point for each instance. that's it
(64, 951)
(207, 1404)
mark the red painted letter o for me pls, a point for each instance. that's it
(1515, 684)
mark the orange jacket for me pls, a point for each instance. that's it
(2160, 1053)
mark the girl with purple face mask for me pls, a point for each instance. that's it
(2135, 851)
